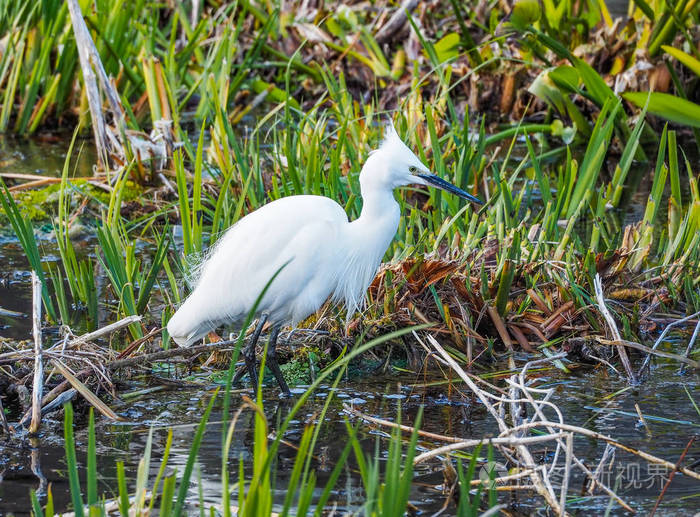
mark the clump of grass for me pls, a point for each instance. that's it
(482, 258)
(25, 233)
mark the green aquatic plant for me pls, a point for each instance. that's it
(24, 230)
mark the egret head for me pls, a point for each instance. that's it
(395, 165)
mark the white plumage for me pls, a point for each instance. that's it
(326, 256)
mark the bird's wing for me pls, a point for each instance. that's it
(295, 236)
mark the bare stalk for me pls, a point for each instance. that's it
(83, 41)
(510, 441)
(598, 436)
(38, 383)
(638, 346)
(91, 66)
(107, 329)
(693, 338)
(598, 286)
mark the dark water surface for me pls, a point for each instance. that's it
(583, 397)
(46, 157)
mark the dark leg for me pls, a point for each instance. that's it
(272, 360)
(249, 354)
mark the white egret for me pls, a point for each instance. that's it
(324, 255)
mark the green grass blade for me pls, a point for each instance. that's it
(179, 506)
(91, 462)
(71, 461)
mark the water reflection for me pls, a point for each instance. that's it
(584, 399)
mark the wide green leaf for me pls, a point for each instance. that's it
(667, 106)
(565, 77)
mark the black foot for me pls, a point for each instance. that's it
(251, 365)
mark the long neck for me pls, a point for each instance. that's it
(374, 230)
(368, 238)
(380, 211)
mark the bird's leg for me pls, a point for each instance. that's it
(249, 353)
(272, 360)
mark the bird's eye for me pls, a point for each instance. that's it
(412, 170)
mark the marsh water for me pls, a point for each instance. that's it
(590, 397)
(584, 397)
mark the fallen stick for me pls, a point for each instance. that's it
(608, 454)
(496, 510)
(671, 476)
(36, 177)
(107, 329)
(86, 392)
(692, 339)
(406, 428)
(16, 355)
(465, 444)
(503, 479)
(57, 391)
(35, 183)
(536, 405)
(11, 314)
(48, 181)
(167, 354)
(59, 401)
(526, 457)
(52, 395)
(21, 176)
(651, 351)
(135, 344)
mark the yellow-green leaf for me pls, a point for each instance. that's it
(275, 94)
(525, 12)
(446, 47)
(684, 58)
(565, 77)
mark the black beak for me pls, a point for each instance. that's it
(440, 183)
